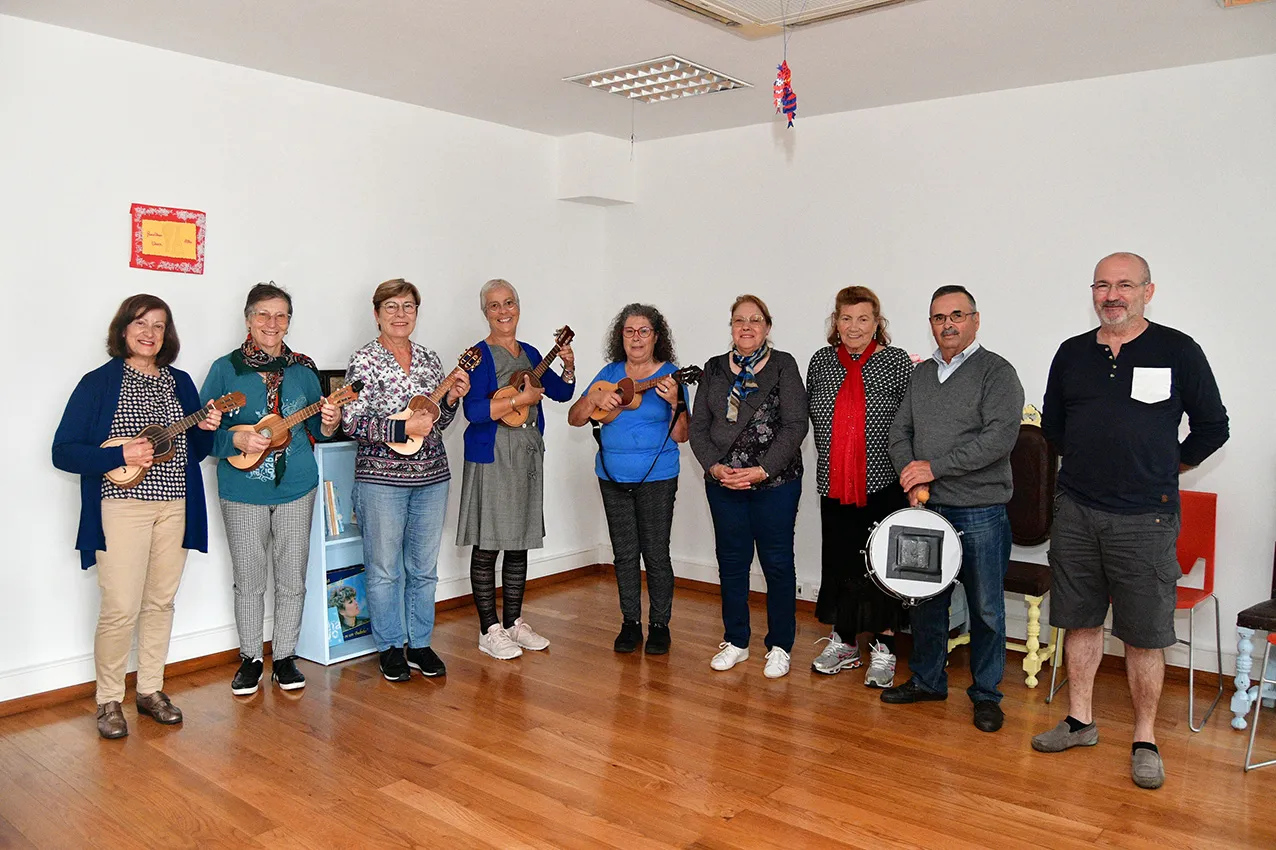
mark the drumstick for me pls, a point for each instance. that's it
(923, 494)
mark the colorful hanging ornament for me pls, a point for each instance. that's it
(785, 97)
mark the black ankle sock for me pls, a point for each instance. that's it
(1143, 745)
(1075, 725)
(887, 641)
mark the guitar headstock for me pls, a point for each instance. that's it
(470, 359)
(230, 402)
(346, 393)
(564, 336)
(688, 375)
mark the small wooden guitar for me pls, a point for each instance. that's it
(516, 417)
(467, 362)
(162, 440)
(630, 391)
(279, 428)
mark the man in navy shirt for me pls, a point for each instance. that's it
(1114, 401)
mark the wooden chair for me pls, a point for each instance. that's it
(1198, 513)
(1262, 618)
(1263, 680)
(1035, 467)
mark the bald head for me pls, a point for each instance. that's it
(1127, 256)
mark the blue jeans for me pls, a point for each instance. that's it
(402, 528)
(743, 519)
(985, 552)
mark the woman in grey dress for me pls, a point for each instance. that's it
(502, 490)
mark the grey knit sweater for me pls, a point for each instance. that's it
(965, 427)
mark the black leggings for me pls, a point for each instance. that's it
(483, 584)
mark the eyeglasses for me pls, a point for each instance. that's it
(1123, 288)
(407, 308)
(643, 332)
(263, 317)
(956, 316)
(496, 306)
(741, 321)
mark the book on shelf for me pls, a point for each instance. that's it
(347, 592)
(335, 522)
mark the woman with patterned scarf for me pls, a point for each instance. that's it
(271, 506)
(747, 426)
(855, 385)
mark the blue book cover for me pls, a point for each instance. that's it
(348, 615)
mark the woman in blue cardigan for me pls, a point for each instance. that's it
(502, 491)
(138, 536)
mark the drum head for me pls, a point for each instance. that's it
(914, 554)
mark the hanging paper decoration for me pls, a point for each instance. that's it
(785, 97)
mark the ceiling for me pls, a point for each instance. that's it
(504, 60)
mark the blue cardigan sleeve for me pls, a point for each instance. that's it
(478, 408)
(556, 388)
(74, 448)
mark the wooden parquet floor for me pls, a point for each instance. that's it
(578, 747)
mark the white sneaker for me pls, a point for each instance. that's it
(881, 667)
(497, 644)
(728, 656)
(836, 657)
(523, 635)
(777, 663)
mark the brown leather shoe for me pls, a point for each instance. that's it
(110, 720)
(159, 706)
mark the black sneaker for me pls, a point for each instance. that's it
(427, 661)
(394, 666)
(630, 637)
(284, 671)
(657, 639)
(247, 677)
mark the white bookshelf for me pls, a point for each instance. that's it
(336, 464)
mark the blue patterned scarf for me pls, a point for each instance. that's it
(745, 384)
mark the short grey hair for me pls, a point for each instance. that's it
(494, 284)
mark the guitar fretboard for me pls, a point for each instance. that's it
(546, 361)
(184, 423)
(445, 385)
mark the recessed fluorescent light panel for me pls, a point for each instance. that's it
(753, 19)
(667, 78)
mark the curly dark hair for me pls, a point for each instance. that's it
(614, 346)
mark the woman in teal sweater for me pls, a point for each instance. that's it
(272, 505)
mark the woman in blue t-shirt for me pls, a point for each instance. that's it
(637, 468)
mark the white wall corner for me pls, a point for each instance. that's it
(596, 170)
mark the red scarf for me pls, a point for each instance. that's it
(848, 450)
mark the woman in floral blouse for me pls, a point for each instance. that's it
(400, 499)
(747, 427)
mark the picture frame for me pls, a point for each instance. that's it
(331, 380)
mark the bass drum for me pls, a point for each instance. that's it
(914, 554)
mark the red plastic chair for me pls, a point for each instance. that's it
(1196, 542)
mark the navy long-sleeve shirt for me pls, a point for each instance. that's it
(1115, 419)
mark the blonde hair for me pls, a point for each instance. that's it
(858, 295)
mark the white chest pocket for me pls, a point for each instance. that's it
(1150, 385)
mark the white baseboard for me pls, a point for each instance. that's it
(52, 675)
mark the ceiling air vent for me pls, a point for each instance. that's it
(667, 78)
(763, 18)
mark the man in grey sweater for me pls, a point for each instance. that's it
(952, 439)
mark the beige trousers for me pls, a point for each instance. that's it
(138, 573)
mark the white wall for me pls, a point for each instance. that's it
(326, 192)
(1014, 194)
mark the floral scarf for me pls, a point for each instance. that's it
(250, 358)
(745, 383)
